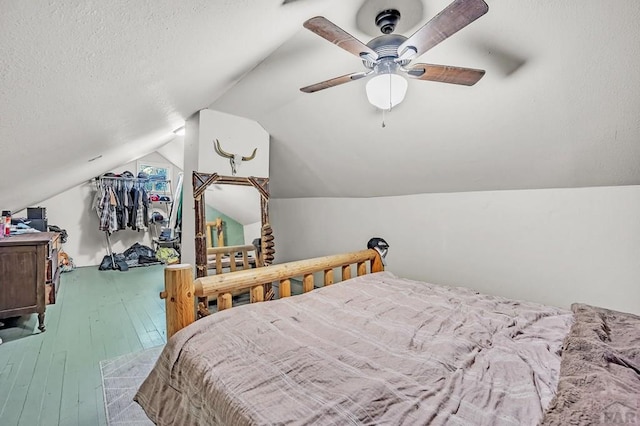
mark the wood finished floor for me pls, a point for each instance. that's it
(53, 378)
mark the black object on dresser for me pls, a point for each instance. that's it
(37, 218)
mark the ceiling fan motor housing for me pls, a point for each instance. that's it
(386, 46)
(387, 20)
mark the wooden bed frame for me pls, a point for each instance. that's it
(220, 256)
(182, 291)
(225, 257)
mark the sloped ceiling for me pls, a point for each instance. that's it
(558, 107)
(82, 79)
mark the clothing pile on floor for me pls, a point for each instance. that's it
(136, 255)
(168, 255)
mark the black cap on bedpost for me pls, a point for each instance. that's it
(381, 246)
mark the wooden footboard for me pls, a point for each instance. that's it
(181, 290)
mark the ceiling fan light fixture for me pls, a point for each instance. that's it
(384, 91)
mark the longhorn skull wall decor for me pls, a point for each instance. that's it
(234, 159)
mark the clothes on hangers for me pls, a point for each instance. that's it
(142, 213)
(121, 204)
(106, 207)
(139, 209)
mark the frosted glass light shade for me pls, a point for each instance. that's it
(387, 90)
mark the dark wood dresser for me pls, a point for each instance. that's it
(29, 274)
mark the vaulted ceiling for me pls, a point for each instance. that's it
(559, 105)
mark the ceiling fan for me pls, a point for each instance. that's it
(388, 57)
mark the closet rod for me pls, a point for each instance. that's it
(130, 178)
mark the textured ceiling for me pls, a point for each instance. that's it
(558, 107)
(80, 79)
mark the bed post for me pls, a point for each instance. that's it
(178, 295)
(376, 263)
(381, 247)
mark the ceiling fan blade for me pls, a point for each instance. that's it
(334, 82)
(336, 35)
(453, 18)
(445, 74)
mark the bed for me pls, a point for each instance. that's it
(380, 349)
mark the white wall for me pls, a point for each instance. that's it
(174, 151)
(252, 231)
(72, 210)
(554, 246)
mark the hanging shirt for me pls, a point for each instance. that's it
(141, 211)
(113, 204)
(104, 211)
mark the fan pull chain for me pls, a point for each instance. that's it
(390, 105)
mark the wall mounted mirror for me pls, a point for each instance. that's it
(232, 215)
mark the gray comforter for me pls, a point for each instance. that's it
(374, 350)
(600, 370)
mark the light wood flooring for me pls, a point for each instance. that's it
(53, 378)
